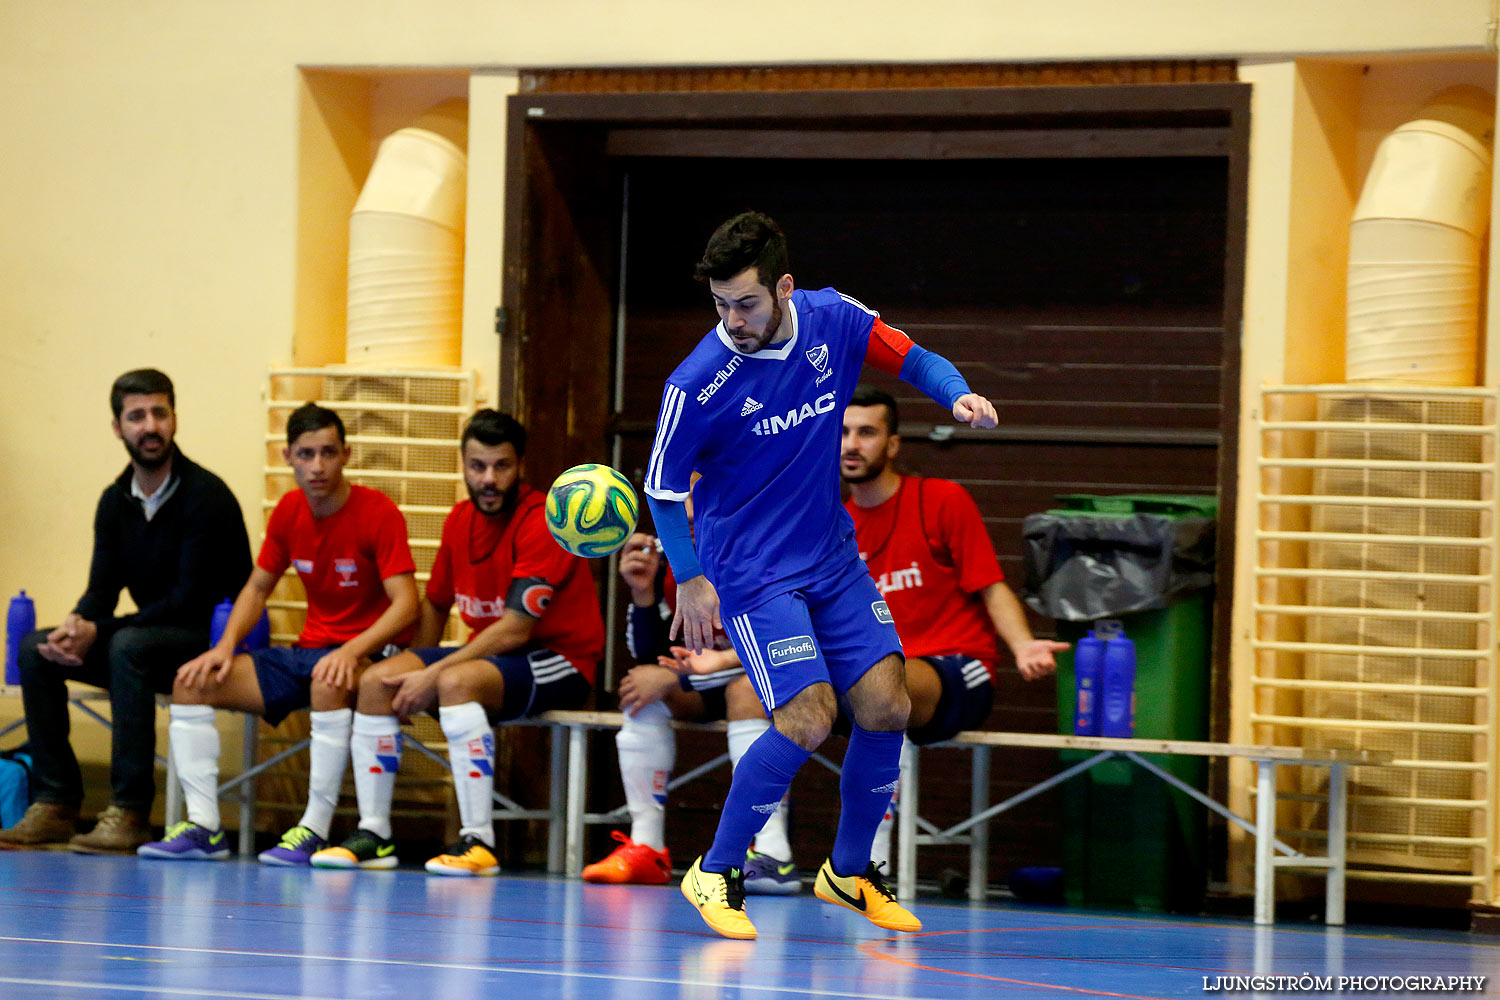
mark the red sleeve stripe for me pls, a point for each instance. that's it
(888, 347)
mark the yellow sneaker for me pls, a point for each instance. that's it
(865, 894)
(470, 856)
(720, 899)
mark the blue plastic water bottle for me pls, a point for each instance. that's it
(220, 621)
(20, 621)
(1088, 664)
(259, 637)
(1117, 700)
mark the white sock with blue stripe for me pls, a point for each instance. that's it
(471, 751)
(375, 750)
(647, 749)
(327, 756)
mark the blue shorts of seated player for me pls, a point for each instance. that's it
(285, 677)
(833, 630)
(536, 681)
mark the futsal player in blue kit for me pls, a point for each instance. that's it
(756, 409)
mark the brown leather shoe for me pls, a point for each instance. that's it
(119, 831)
(44, 823)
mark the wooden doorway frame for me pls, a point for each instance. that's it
(560, 243)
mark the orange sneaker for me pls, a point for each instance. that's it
(631, 864)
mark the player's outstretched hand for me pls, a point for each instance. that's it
(645, 685)
(337, 669)
(205, 670)
(415, 692)
(685, 661)
(697, 615)
(1034, 658)
(974, 410)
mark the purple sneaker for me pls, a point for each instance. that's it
(297, 847)
(187, 841)
(767, 876)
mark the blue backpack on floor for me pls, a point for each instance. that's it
(15, 785)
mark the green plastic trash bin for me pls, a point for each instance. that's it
(1129, 839)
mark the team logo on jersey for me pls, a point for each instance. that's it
(776, 424)
(720, 377)
(303, 565)
(798, 647)
(766, 808)
(882, 613)
(750, 407)
(346, 569)
(819, 357)
(478, 607)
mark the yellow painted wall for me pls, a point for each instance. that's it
(150, 180)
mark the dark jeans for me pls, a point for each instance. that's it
(134, 664)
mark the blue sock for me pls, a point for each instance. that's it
(872, 765)
(761, 778)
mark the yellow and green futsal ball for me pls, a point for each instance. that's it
(591, 510)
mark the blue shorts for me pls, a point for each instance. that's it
(285, 676)
(535, 681)
(831, 631)
(968, 694)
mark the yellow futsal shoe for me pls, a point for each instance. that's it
(470, 856)
(867, 895)
(720, 899)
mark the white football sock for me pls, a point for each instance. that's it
(880, 851)
(195, 750)
(772, 837)
(471, 752)
(375, 751)
(647, 748)
(326, 760)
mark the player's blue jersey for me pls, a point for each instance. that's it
(764, 431)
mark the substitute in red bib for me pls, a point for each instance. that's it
(536, 636)
(927, 548)
(348, 546)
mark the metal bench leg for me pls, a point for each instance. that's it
(1265, 841)
(556, 801)
(249, 745)
(578, 776)
(1338, 848)
(906, 821)
(979, 837)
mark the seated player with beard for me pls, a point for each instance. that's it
(536, 639)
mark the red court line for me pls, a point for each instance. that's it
(868, 948)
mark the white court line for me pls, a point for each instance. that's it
(351, 960)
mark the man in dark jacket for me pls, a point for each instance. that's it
(171, 533)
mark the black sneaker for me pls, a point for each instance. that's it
(361, 849)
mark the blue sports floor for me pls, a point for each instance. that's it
(104, 927)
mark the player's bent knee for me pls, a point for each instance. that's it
(807, 719)
(475, 680)
(327, 698)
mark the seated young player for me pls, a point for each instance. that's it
(537, 637)
(934, 564)
(348, 545)
(702, 688)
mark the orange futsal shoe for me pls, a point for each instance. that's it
(867, 895)
(631, 864)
